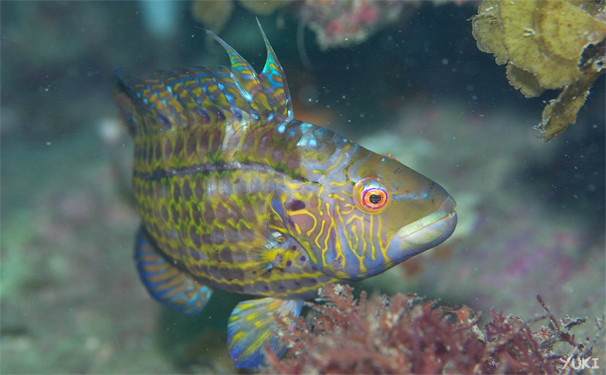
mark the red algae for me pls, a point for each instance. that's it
(404, 334)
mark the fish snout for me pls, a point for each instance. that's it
(425, 233)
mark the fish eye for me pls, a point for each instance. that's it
(375, 198)
(370, 195)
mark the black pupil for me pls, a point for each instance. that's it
(374, 199)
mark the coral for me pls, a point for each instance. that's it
(404, 334)
(546, 45)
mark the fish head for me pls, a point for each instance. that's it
(386, 214)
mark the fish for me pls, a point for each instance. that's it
(236, 194)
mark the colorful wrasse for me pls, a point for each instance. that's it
(236, 194)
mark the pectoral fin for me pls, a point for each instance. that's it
(265, 242)
(166, 282)
(252, 324)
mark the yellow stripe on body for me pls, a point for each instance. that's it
(335, 164)
(382, 245)
(361, 219)
(332, 226)
(149, 194)
(340, 183)
(359, 256)
(307, 248)
(351, 210)
(336, 196)
(304, 212)
(319, 234)
(279, 229)
(372, 243)
(353, 231)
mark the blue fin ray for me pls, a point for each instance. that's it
(252, 324)
(165, 282)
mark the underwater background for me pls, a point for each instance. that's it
(408, 80)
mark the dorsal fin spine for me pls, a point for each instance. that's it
(273, 68)
(273, 94)
(244, 75)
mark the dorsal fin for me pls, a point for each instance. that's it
(244, 76)
(274, 95)
(207, 96)
(273, 80)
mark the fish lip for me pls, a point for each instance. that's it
(425, 233)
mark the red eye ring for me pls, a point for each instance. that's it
(370, 195)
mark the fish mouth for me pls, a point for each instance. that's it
(425, 233)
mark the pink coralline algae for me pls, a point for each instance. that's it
(342, 23)
(404, 334)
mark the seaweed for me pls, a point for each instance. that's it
(405, 334)
(557, 44)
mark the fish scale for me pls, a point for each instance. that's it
(236, 194)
